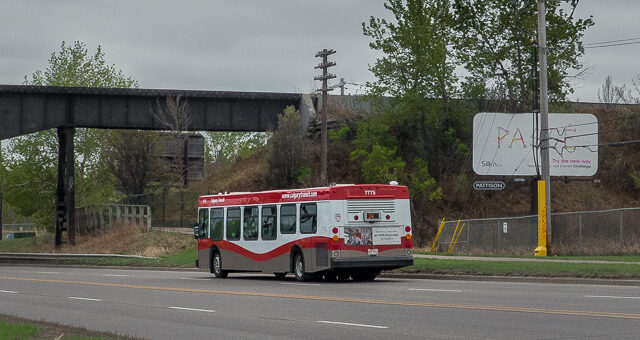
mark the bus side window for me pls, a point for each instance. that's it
(269, 222)
(288, 219)
(250, 223)
(203, 221)
(308, 218)
(217, 224)
(233, 224)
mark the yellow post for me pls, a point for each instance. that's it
(542, 221)
(435, 241)
(457, 237)
(453, 237)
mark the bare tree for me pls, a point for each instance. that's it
(174, 115)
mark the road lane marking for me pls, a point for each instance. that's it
(436, 290)
(193, 309)
(8, 291)
(194, 278)
(618, 315)
(299, 284)
(351, 324)
(47, 273)
(116, 275)
(81, 298)
(612, 297)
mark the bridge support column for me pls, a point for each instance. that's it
(65, 193)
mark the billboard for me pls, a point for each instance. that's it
(504, 144)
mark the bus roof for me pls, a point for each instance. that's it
(341, 192)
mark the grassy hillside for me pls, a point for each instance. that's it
(124, 239)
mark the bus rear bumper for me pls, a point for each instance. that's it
(386, 262)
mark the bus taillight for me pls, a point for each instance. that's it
(407, 228)
(334, 230)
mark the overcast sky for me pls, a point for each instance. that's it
(251, 45)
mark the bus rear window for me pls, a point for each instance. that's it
(233, 224)
(288, 219)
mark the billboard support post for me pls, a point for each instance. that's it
(544, 113)
(542, 221)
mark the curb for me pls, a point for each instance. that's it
(522, 279)
(389, 275)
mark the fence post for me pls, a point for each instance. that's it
(621, 211)
(469, 239)
(148, 218)
(499, 232)
(164, 209)
(580, 233)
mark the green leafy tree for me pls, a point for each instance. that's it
(497, 45)
(288, 153)
(381, 165)
(418, 71)
(225, 147)
(30, 181)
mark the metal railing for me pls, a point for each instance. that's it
(615, 231)
(101, 217)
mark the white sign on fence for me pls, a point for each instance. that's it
(504, 144)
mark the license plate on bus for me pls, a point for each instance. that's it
(373, 251)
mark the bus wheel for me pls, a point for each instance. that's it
(280, 276)
(217, 266)
(365, 275)
(298, 267)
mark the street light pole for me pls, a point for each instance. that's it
(544, 115)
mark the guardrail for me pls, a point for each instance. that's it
(54, 256)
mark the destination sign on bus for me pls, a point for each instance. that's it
(372, 216)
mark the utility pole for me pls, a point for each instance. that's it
(324, 65)
(544, 116)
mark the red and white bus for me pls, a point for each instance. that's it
(331, 232)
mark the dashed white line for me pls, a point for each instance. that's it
(194, 309)
(299, 284)
(612, 297)
(436, 290)
(352, 324)
(81, 298)
(8, 291)
(116, 275)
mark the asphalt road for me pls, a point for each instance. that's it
(193, 305)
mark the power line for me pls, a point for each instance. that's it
(591, 123)
(610, 41)
(612, 45)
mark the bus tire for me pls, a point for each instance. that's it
(298, 267)
(216, 266)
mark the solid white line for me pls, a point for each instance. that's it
(118, 275)
(352, 324)
(8, 291)
(612, 297)
(437, 290)
(299, 284)
(81, 298)
(194, 309)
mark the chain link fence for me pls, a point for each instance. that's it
(170, 209)
(603, 232)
